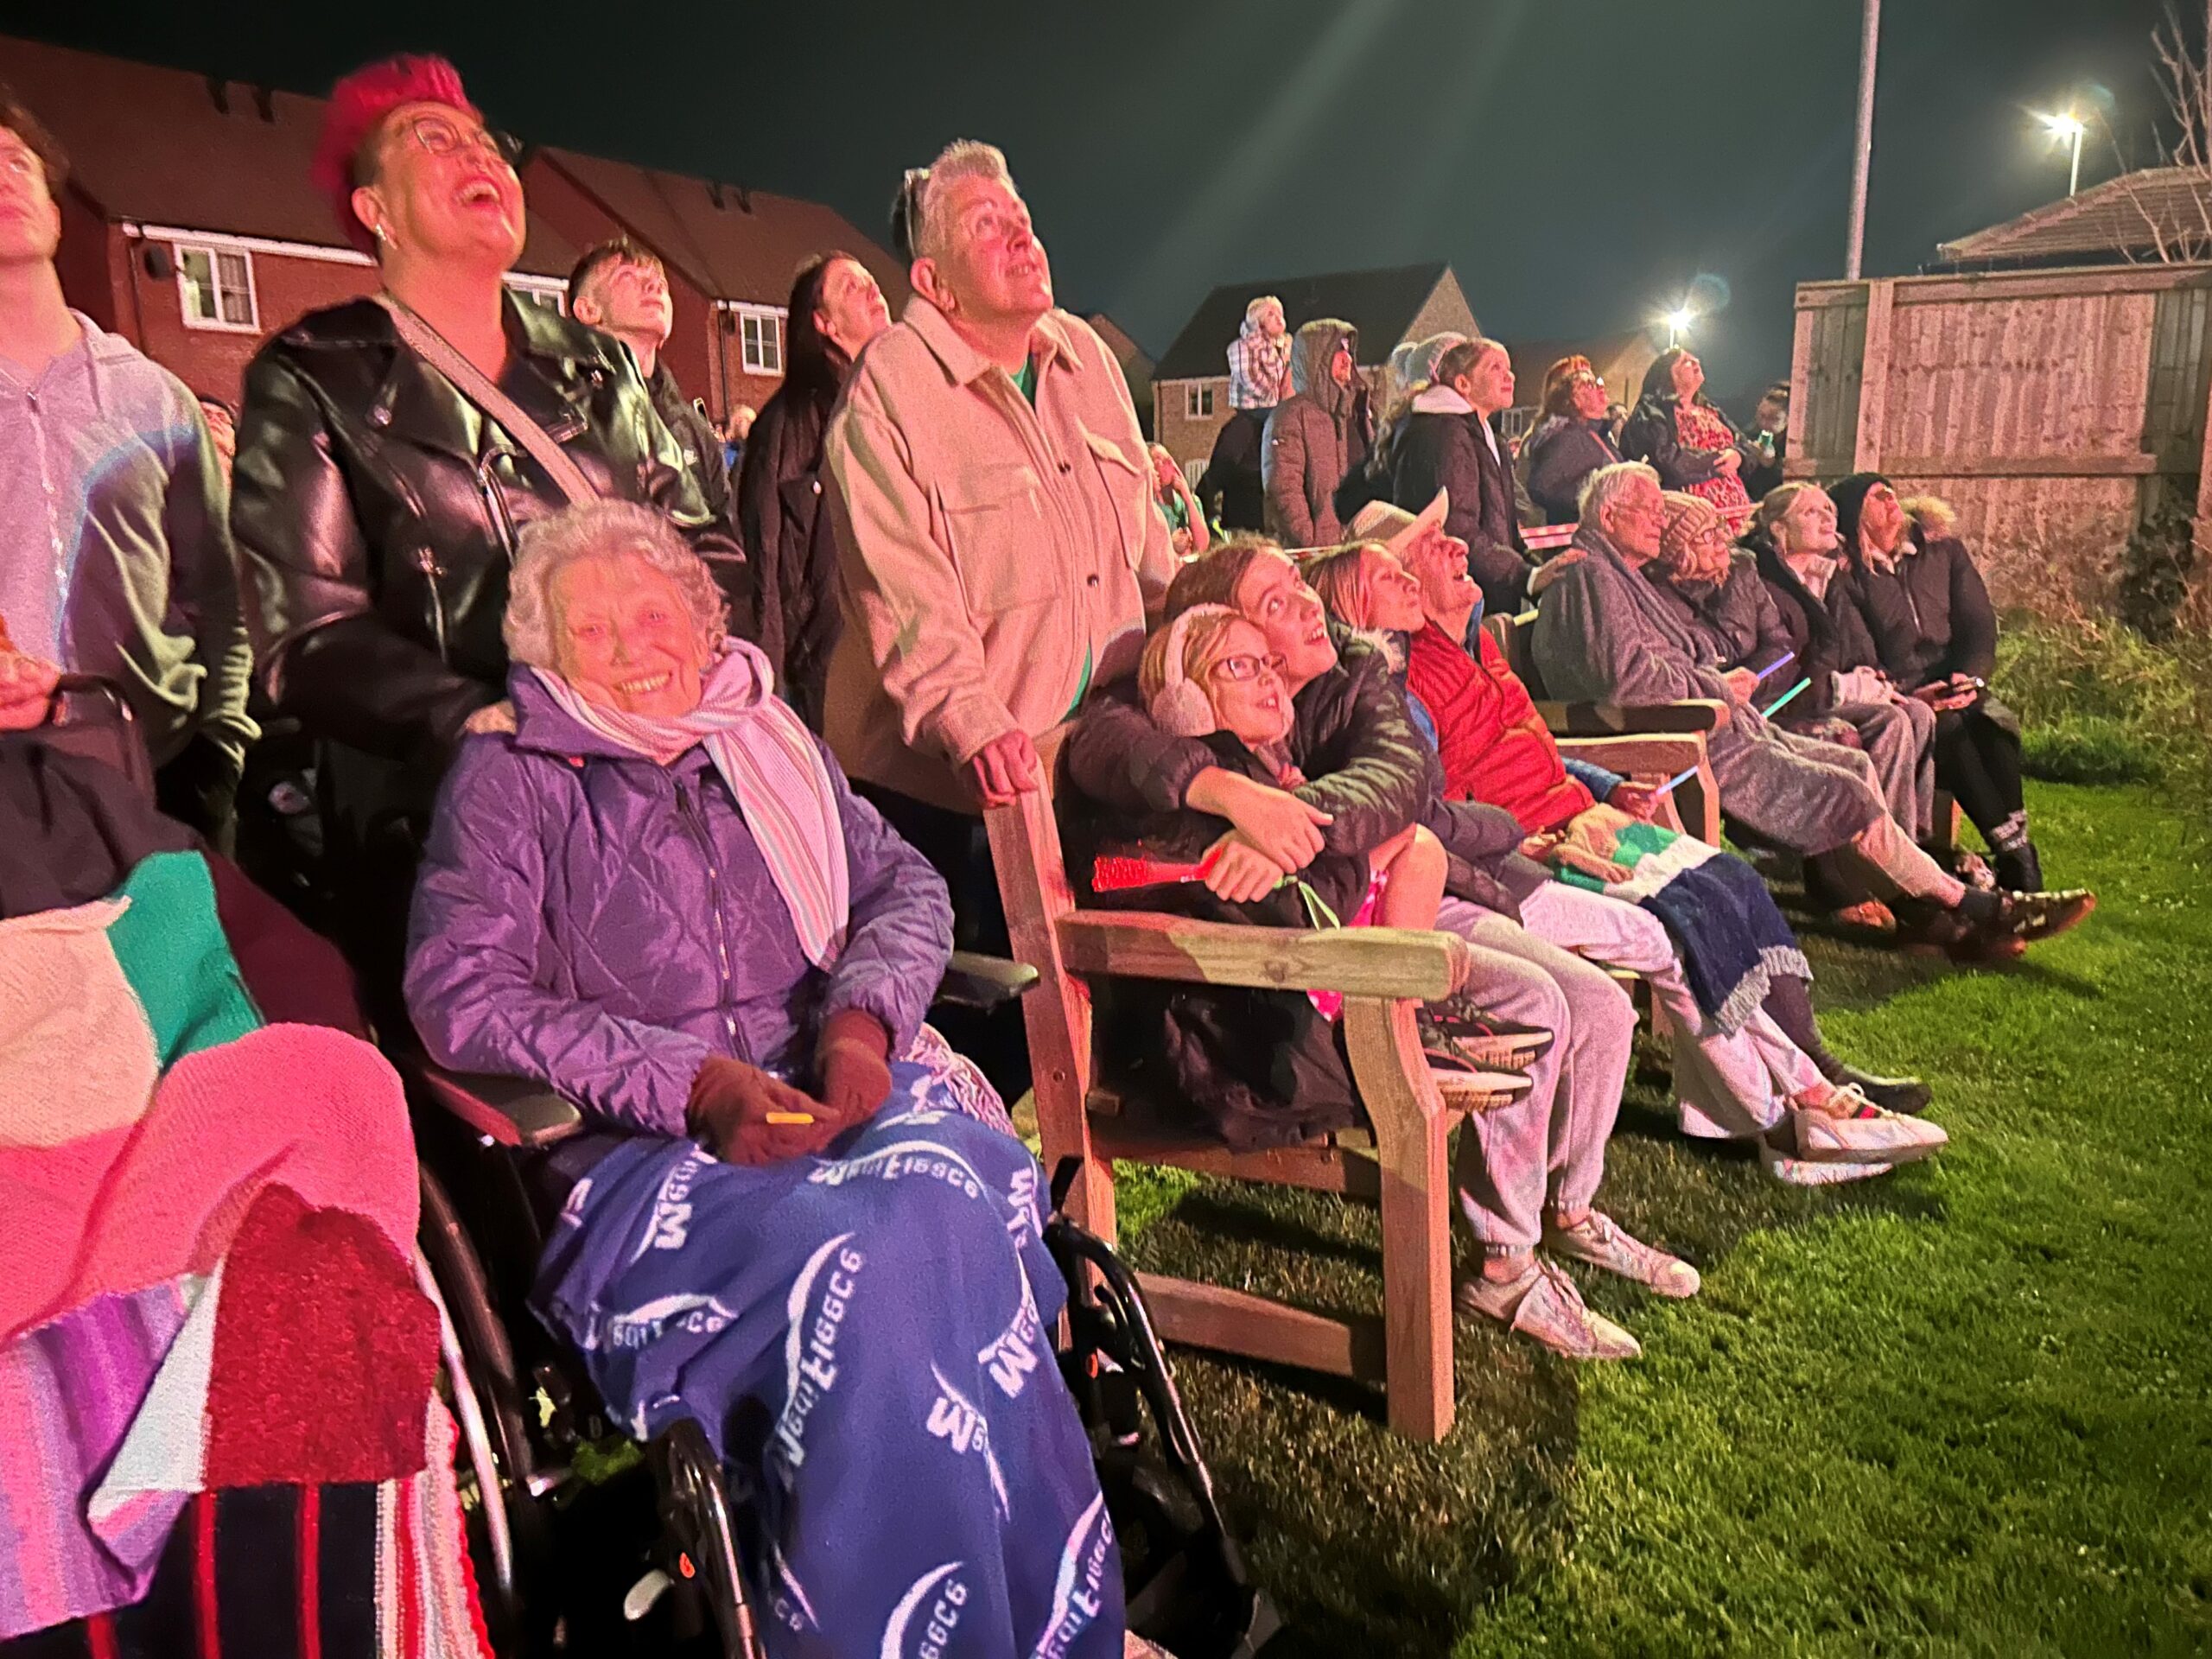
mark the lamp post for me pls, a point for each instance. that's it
(1678, 322)
(1862, 146)
(2070, 128)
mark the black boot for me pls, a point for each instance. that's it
(2020, 870)
(1908, 1097)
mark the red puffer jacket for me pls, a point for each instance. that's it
(1492, 742)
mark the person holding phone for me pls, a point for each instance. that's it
(1911, 582)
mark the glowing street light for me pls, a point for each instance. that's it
(1678, 322)
(2069, 128)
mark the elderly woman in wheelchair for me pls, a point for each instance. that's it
(649, 887)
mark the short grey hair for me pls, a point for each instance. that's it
(599, 530)
(1608, 484)
(964, 158)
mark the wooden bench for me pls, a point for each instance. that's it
(1403, 1166)
(1658, 740)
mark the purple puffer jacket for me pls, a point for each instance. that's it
(602, 924)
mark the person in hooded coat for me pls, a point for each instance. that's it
(1315, 437)
(1911, 582)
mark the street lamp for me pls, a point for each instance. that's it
(1678, 322)
(2069, 128)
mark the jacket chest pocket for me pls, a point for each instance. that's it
(1124, 493)
(1003, 546)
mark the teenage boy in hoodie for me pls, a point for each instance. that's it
(115, 551)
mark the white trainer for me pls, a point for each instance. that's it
(1864, 1133)
(1601, 1242)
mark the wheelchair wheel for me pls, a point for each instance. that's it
(696, 1523)
(487, 1399)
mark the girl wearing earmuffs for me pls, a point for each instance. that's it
(1264, 1065)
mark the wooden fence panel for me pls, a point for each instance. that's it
(2049, 407)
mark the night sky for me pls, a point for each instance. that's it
(1579, 162)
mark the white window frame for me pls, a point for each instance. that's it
(548, 291)
(751, 360)
(1199, 402)
(215, 248)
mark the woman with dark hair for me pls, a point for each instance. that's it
(1683, 434)
(1908, 578)
(1574, 437)
(835, 308)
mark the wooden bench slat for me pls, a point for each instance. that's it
(1357, 961)
(1237, 1322)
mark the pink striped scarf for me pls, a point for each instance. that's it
(768, 758)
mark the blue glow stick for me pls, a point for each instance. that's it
(1785, 697)
(1683, 776)
(1783, 661)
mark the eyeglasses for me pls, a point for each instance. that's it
(1581, 380)
(1241, 669)
(440, 137)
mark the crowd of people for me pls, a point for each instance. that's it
(648, 760)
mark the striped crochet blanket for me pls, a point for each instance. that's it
(208, 1285)
(1734, 939)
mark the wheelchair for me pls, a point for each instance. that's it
(582, 1542)
(497, 1165)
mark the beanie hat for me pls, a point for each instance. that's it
(1850, 498)
(1689, 517)
(359, 104)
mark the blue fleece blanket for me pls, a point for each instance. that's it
(864, 1337)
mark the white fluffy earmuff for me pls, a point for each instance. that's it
(1181, 708)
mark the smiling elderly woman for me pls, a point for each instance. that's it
(657, 895)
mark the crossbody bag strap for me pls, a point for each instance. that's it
(479, 387)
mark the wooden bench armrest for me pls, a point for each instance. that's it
(1641, 755)
(975, 980)
(1617, 719)
(514, 1111)
(1358, 961)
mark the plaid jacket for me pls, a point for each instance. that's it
(1259, 370)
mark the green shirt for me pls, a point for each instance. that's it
(1027, 380)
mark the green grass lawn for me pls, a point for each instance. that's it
(1963, 1409)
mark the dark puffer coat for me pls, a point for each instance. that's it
(1557, 460)
(793, 616)
(1443, 448)
(1827, 641)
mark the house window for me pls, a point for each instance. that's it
(1197, 400)
(550, 295)
(760, 339)
(216, 286)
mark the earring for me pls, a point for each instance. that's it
(381, 234)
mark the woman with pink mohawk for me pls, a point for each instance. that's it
(390, 451)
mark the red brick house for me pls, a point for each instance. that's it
(188, 225)
(730, 253)
(1191, 384)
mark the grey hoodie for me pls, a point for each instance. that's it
(115, 545)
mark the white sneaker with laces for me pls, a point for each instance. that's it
(1599, 1240)
(1864, 1134)
(1544, 1305)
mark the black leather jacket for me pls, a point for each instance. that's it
(375, 511)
